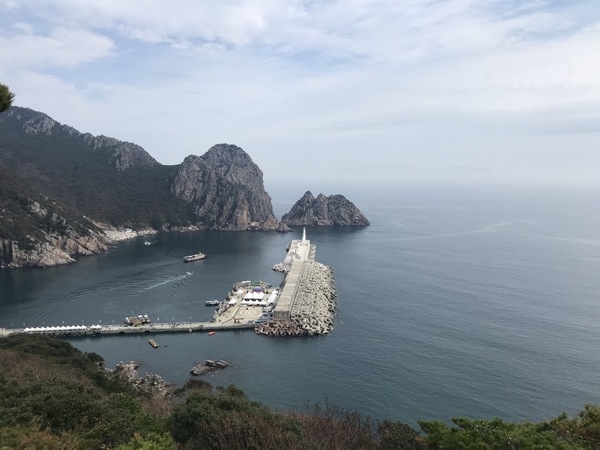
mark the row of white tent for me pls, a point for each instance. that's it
(61, 328)
(258, 300)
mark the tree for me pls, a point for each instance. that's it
(6, 97)
(495, 434)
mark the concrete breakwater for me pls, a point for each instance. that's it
(315, 303)
(312, 307)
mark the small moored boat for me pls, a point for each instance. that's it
(212, 302)
(137, 320)
(153, 343)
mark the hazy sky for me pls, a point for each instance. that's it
(377, 90)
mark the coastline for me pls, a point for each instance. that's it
(126, 234)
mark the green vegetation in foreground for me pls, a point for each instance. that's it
(52, 396)
(6, 97)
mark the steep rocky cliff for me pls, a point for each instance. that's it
(36, 232)
(226, 190)
(333, 210)
(56, 250)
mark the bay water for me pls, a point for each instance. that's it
(454, 302)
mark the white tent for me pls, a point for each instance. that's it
(57, 328)
(272, 297)
(254, 296)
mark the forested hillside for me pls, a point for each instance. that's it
(96, 178)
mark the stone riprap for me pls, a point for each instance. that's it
(313, 306)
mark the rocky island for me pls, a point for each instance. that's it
(332, 210)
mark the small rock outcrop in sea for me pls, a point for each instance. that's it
(209, 366)
(333, 210)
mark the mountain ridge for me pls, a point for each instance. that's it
(119, 184)
(62, 178)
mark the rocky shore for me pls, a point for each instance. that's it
(150, 382)
(313, 309)
(54, 251)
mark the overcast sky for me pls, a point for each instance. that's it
(353, 90)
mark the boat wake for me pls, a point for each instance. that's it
(167, 281)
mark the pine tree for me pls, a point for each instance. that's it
(6, 97)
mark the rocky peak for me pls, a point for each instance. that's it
(333, 210)
(226, 190)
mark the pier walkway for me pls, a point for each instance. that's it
(300, 253)
(107, 330)
(238, 317)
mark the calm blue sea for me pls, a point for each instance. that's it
(454, 302)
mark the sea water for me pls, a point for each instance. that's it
(454, 302)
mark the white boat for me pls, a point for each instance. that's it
(212, 302)
(195, 257)
(147, 243)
